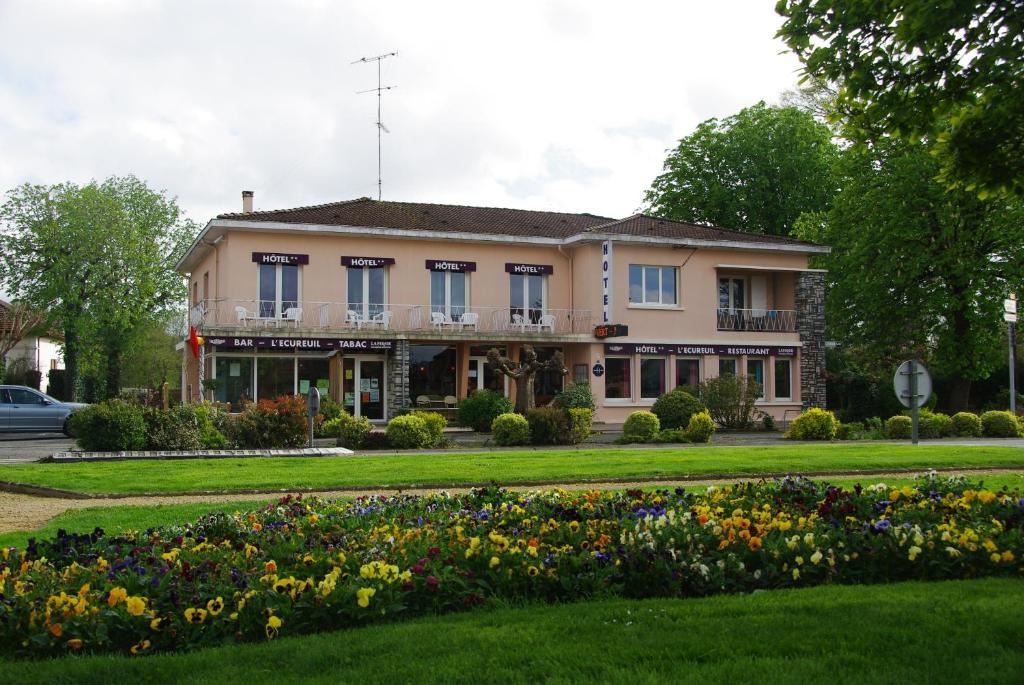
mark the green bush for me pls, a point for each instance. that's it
(850, 431)
(175, 429)
(511, 429)
(581, 420)
(675, 408)
(548, 426)
(271, 424)
(56, 384)
(111, 426)
(671, 435)
(898, 427)
(966, 425)
(640, 426)
(701, 427)
(813, 424)
(479, 410)
(730, 399)
(214, 425)
(999, 424)
(435, 424)
(577, 396)
(933, 425)
(351, 431)
(768, 422)
(408, 432)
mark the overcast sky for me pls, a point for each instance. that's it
(540, 105)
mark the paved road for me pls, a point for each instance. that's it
(22, 447)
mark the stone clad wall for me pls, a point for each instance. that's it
(398, 378)
(810, 324)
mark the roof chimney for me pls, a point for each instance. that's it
(247, 202)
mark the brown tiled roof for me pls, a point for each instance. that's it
(418, 216)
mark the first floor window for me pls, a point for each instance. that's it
(652, 285)
(652, 378)
(617, 378)
(731, 293)
(275, 376)
(432, 374)
(448, 293)
(527, 296)
(783, 381)
(726, 366)
(367, 290)
(688, 374)
(278, 289)
(234, 381)
(755, 368)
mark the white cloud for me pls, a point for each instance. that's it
(559, 105)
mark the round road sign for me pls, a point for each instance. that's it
(901, 382)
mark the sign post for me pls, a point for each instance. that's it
(313, 407)
(913, 387)
(1010, 316)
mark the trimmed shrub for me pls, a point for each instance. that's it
(548, 426)
(479, 410)
(511, 429)
(581, 420)
(898, 427)
(701, 427)
(964, 424)
(271, 424)
(999, 424)
(214, 425)
(932, 425)
(174, 429)
(111, 426)
(730, 399)
(435, 424)
(675, 408)
(376, 440)
(850, 431)
(671, 435)
(813, 424)
(640, 426)
(768, 422)
(408, 432)
(577, 396)
(351, 431)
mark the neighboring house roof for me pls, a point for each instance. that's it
(40, 331)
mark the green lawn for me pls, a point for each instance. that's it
(956, 632)
(442, 470)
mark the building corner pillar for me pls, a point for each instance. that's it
(810, 325)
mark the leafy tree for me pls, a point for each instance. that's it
(916, 268)
(952, 72)
(755, 171)
(16, 321)
(98, 258)
(524, 372)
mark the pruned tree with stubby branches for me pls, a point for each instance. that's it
(524, 372)
(16, 321)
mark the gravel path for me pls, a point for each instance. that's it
(28, 512)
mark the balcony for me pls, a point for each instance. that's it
(257, 316)
(761, 320)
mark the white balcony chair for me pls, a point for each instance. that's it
(439, 320)
(383, 319)
(293, 315)
(244, 315)
(352, 317)
(469, 319)
(547, 321)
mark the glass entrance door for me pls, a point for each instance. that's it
(482, 376)
(363, 387)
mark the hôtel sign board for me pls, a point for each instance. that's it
(700, 350)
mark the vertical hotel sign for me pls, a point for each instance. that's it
(606, 281)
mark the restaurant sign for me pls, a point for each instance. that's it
(529, 268)
(280, 258)
(301, 344)
(444, 265)
(700, 350)
(367, 261)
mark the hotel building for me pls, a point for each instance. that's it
(390, 305)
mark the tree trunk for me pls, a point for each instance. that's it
(959, 393)
(113, 381)
(524, 393)
(70, 365)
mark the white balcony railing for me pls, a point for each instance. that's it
(772, 320)
(261, 315)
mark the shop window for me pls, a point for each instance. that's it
(314, 373)
(367, 290)
(755, 368)
(432, 374)
(652, 285)
(618, 378)
(652, 377)
(449, 292)
(528, 296)
(234, 381)
(726, 366)
(783, 379)
(275, 376)
(688, 374)
(278, 289)
(580, 374)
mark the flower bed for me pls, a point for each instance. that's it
(307, 565)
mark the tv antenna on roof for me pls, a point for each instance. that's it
(379, 89)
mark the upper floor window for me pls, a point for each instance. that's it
(448, 292)
(731, 293)
(367, 285)
(528, 291)
(278, 289)
(652, 285)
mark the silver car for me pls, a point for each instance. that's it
(25, 409)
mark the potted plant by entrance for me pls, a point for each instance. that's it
(211, 385)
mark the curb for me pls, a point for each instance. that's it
(73, 457)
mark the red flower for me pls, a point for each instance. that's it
(432, 581)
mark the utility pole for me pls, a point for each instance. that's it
(380, 125)
(1010, 316)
